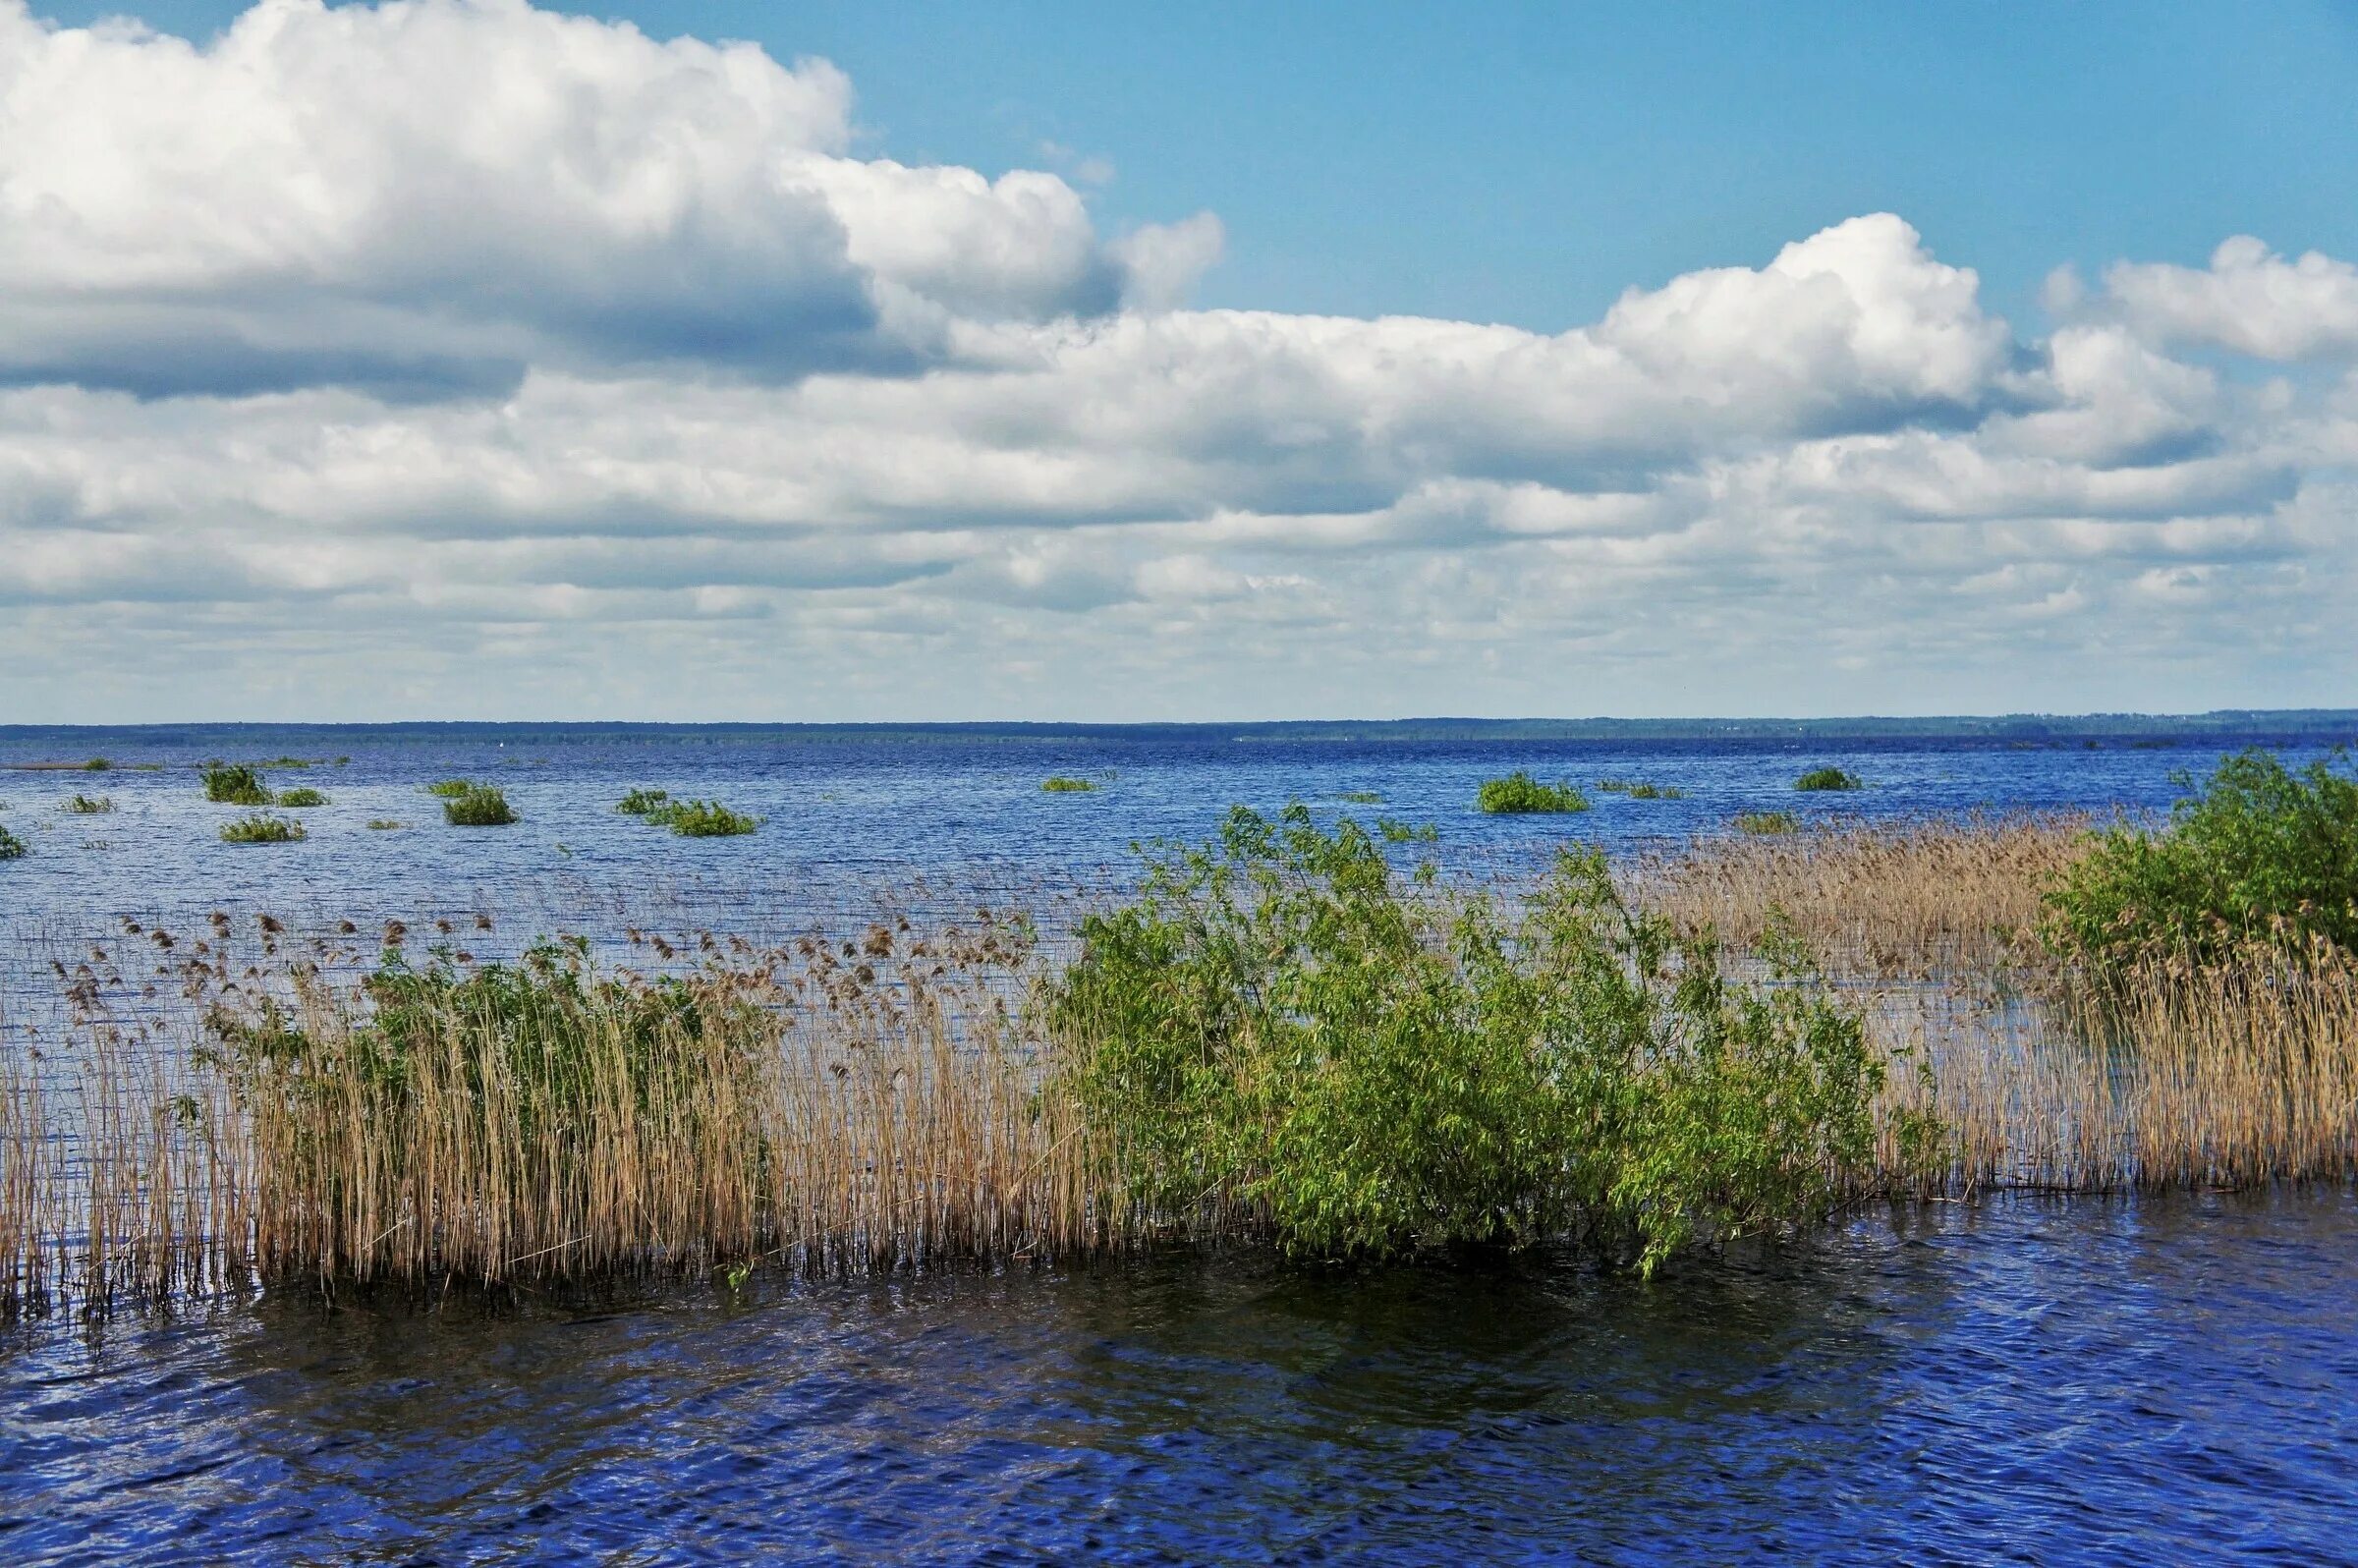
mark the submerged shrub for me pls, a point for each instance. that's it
(1640, 790)
(89, 805)
(1280, 1023)
(262, 829)
(706, 820)
(1361, 797)
(12, 848)
(1829, 779)
(234, 784)
(1520, 793)
(1767, 822)
(644, 802)
(2258, 851)
(385, 825)
(478, 806)
(301, 797)
(1061, 784)
(97, 765)
(450, 788)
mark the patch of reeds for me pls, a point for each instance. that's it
(78, 804)
(263, 828)
(12, 848)
(234, 784)
(706, 820)
(478, 806)
(1638, 789)
(1830, 778)
(644, 802)
(296, 798)
(1767, 824)
(1520, 794)
(1359, 797)
(96, 764)
(385, 825)
(1065, 784)
(449, 788)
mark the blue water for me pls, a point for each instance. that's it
(2168, 1380)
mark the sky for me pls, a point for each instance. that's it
(1048, 362)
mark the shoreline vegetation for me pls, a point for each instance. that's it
(1280, 1039)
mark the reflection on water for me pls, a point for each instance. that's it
(2133, 1380)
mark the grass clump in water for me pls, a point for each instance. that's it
(450, 788)
(478, 806)
(385, 825)
(81, 804)
(644, 802)
(97, 765)
(1519, 794)
(2260, 853)
(1641, 788)
(706, 820)
(1829, 779)
(262, 829)
(1361, 797)
(12, 848)
(1764, 824)
(1064, 784)
(1280, 1027)
(234, 784)
(301, 798)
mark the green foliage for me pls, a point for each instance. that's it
(1767, 822)
(1829, 779)
(262, 829)
(1282, 1021)
(12, 848)
(89, 805)
(1519, 793)
(1060, 784)
(1361, 797)
(385, 825)
(706, 820)
(450, 788)
(96, 764)
(1640, 790)
(234, 784)
(478, 806)
(301, 797)
(644, 802)
(288, 761)
(2260, 852)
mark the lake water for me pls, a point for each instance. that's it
(2093, 1380)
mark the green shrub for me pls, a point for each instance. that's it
(12, 848)
(96, 764)
(301, 797)
(89, 805)
(1060, 784)
(478, 806)
(262, 829)
(1640, 790)
(1280, 1021)
(1361, 797)
(234, 784)
(644, 802)
(385, 825)
(1520, 793)
(1829, 779)
(2258, 851)
(706, 820)
(450, 788)
(1767, 822)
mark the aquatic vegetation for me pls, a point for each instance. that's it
(1829, 779)
(12, 848)
(1062, 784)
(1359, 797)
(450, 788)
(297, 798)
(234, 784)
(80, 804)
(385, 825)
(96, 764)
(286, 761)
(478, 806)
(706, 820)
(1519, 793)
(1767, 822)
(644, 802)
(1276, 1035)
(1641, 788)
(262, 829)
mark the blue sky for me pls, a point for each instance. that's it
(1033, 361)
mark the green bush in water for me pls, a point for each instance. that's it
(1519, 793)
(1061, 784)
(644, 802)
(262, 829)
(301, 798)
(234, 784)
(1829, 779)
(89, 805)
(1767, 822)
(706, 820)
(97, 765)
(2258, 851)
(478, 806)
(450, 788)
(12, 848)
(1281, 1021)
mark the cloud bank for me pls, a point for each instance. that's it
(460, 359)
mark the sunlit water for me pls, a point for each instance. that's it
(2162, 1379)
